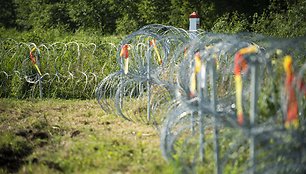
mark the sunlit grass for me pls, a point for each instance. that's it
(76, 136)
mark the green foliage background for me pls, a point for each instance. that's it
(285, 18)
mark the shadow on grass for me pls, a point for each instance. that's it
(13, 151)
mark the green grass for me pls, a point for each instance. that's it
(74, 136)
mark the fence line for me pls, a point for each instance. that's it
(233, 101)
(236, 102)
(64, 70)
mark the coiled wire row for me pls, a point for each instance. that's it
(239, 109)
(65, 70)
(222, 103)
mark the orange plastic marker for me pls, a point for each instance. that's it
(240, 65)
(124, 53)
(292, 104)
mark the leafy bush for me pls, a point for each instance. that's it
(230, 23)
(281, 22)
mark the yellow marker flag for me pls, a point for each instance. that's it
(33, 60)
(197, 66)
(159, 60)
(37, 69)
(249, 49)
(238, 85)
(193, 84)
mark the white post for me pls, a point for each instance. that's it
(194, 21)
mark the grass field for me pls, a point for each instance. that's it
(74, 136)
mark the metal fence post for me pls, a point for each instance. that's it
(121, 82)
(253, 113)
(200, 113)
(149, 89)
(39, 76)
(192, 120)
(212, 69)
